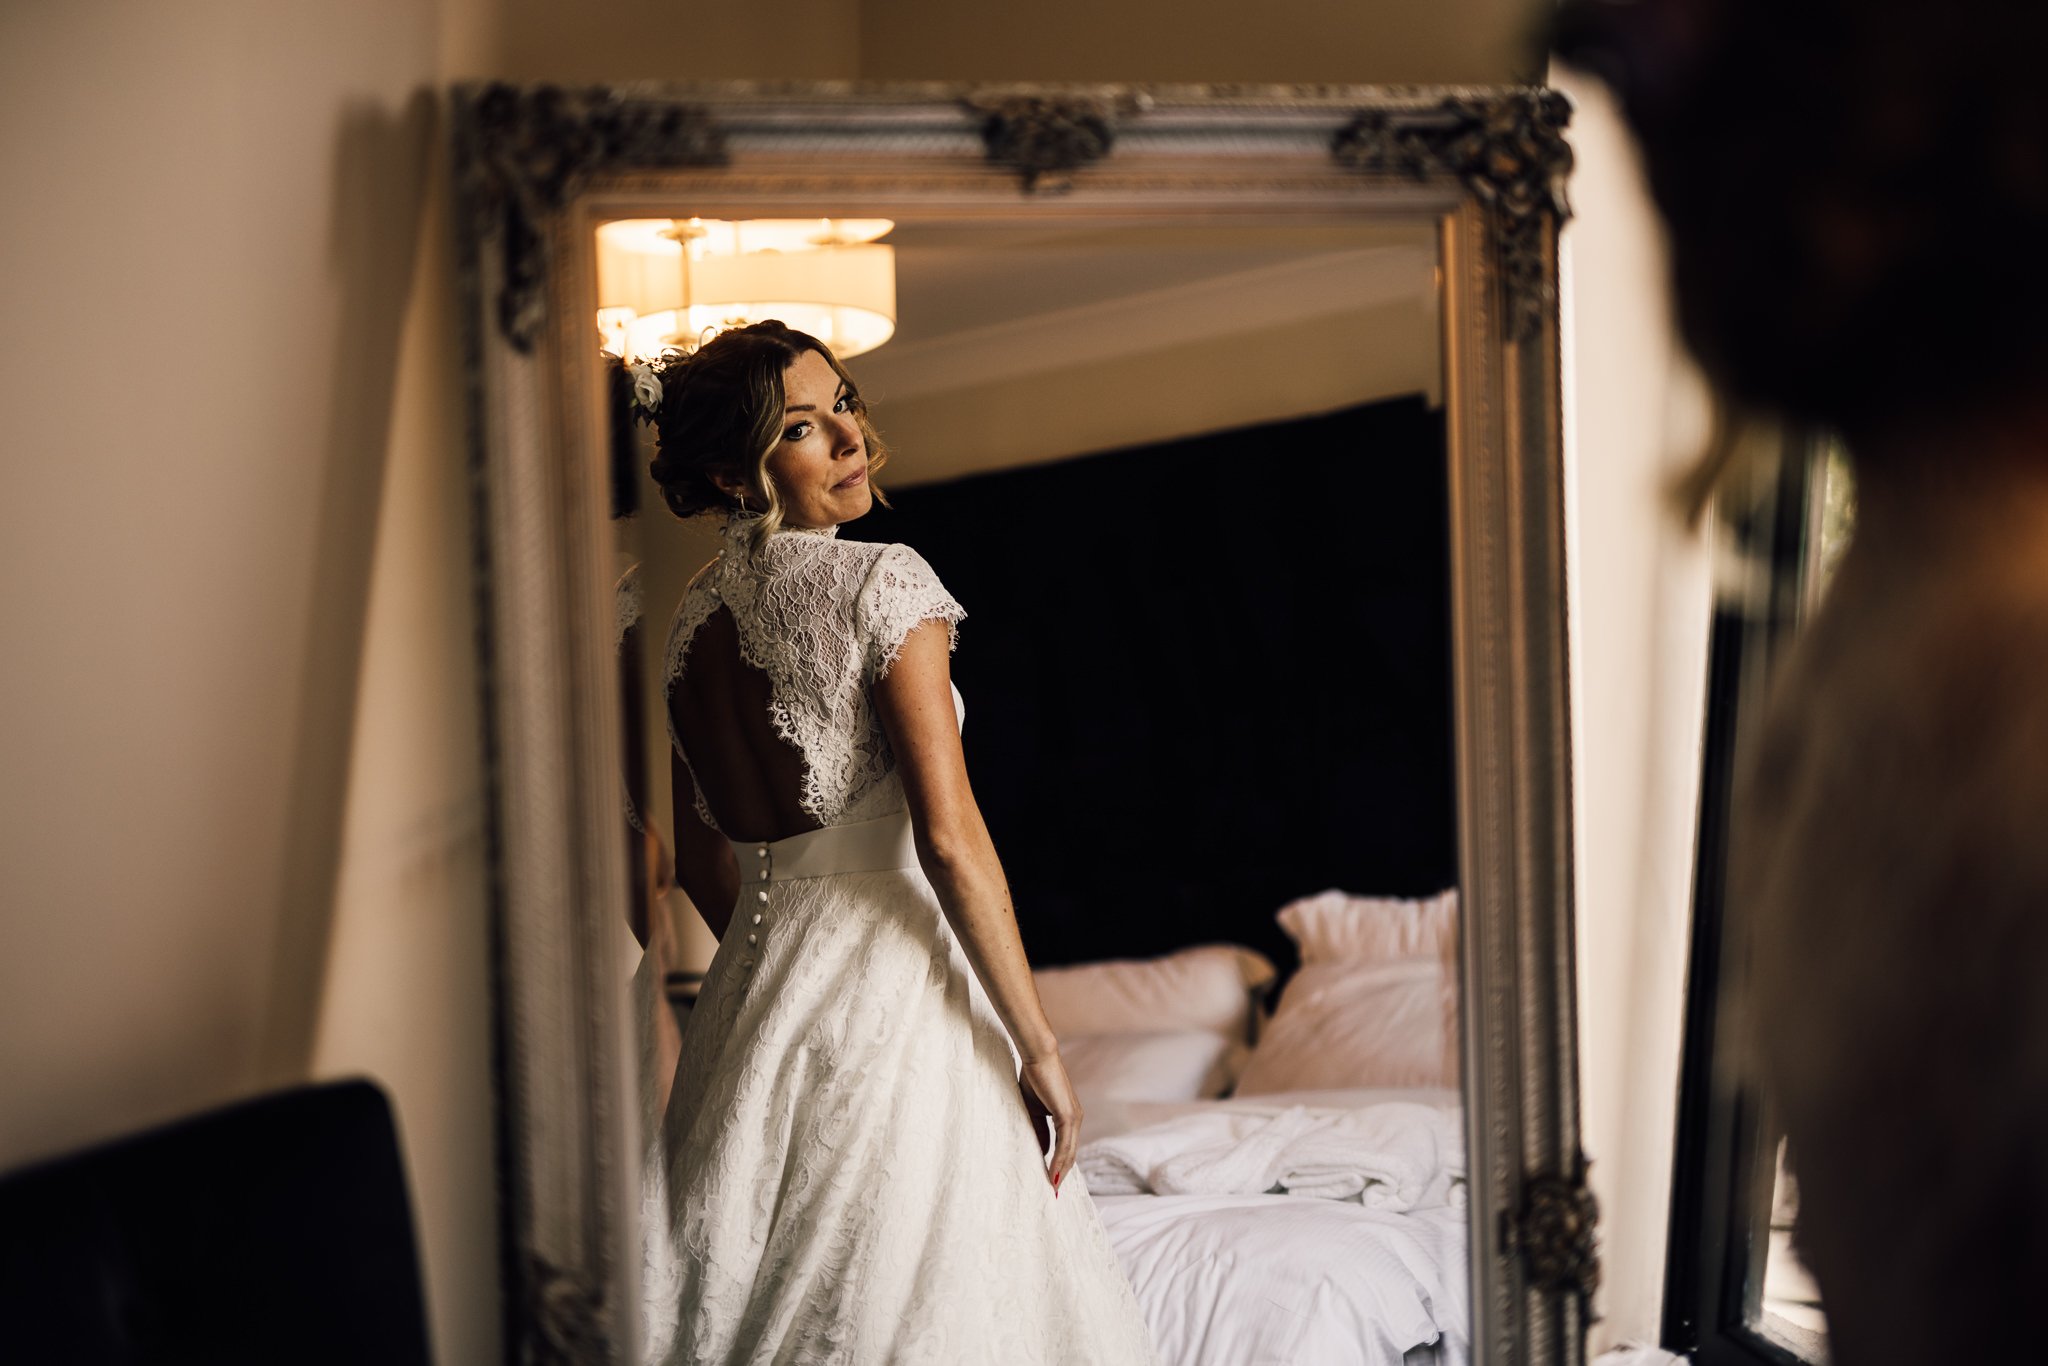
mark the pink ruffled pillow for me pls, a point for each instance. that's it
(1339, 927)
(1376, 1000)
(1151, 1065)
(1208, 988)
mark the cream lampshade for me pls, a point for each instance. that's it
(674, 283)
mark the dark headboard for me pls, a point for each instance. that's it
(1204, 677)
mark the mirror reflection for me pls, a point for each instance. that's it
(1180, 489)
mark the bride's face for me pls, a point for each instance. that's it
(820, 462)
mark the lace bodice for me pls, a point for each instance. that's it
(823, 619)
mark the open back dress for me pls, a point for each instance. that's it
(846, 1172)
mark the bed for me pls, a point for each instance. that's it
(1264, 1209)
(1231, 1276)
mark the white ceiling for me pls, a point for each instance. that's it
(1016, 345)
(978, 305)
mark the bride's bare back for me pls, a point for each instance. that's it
(769, 673)
(750, 777)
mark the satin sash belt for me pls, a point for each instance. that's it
(876, 846)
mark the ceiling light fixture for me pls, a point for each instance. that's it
(672, 284)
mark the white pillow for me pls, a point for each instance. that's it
(1201, 988)
(1358, 1024)
(1336, 926)
(1163, 1065)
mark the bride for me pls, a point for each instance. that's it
(855, 1164)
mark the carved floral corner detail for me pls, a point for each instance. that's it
(1509, 150)
(1555, 1233)
(566, 1323)
(1046, 138)
(526, 150)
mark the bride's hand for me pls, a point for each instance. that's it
(1048, 1094)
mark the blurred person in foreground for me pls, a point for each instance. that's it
(1857, 199)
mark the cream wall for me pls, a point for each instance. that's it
(240, 823)
(1443, 41)
(404, 995)
(1447, 42)
(1635, 413)
(547, 40)
(240, 826)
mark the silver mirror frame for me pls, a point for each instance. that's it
(538, 166)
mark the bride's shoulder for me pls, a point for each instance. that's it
(856, 562)
(899, 592)
(835, 569)
(869, 577)
(891, 567)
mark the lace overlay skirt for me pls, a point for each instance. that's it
(846, 1172)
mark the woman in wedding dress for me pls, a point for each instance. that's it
(855, 1167)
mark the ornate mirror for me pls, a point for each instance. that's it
(1261, 386)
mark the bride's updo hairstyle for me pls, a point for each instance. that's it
(721, 416)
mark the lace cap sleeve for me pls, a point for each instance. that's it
(901, 593)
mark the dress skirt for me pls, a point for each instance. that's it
(847, 1172)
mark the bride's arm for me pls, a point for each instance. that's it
(705, 868)
(915, 703)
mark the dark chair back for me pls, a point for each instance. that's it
(275, 1231)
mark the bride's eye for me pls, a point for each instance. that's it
(797, 431)
(847, 403)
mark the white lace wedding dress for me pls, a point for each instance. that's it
(846, 1173)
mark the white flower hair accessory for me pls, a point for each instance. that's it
(646, 388)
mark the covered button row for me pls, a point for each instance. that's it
(760, 852)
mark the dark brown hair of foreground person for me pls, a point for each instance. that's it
(1857, 199)
(1856, 190)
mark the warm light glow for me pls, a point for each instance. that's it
(676, 282)
(615, 325)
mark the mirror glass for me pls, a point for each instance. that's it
(1188, 479)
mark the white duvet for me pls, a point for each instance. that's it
(1364, 1262)
(1394, 1156)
